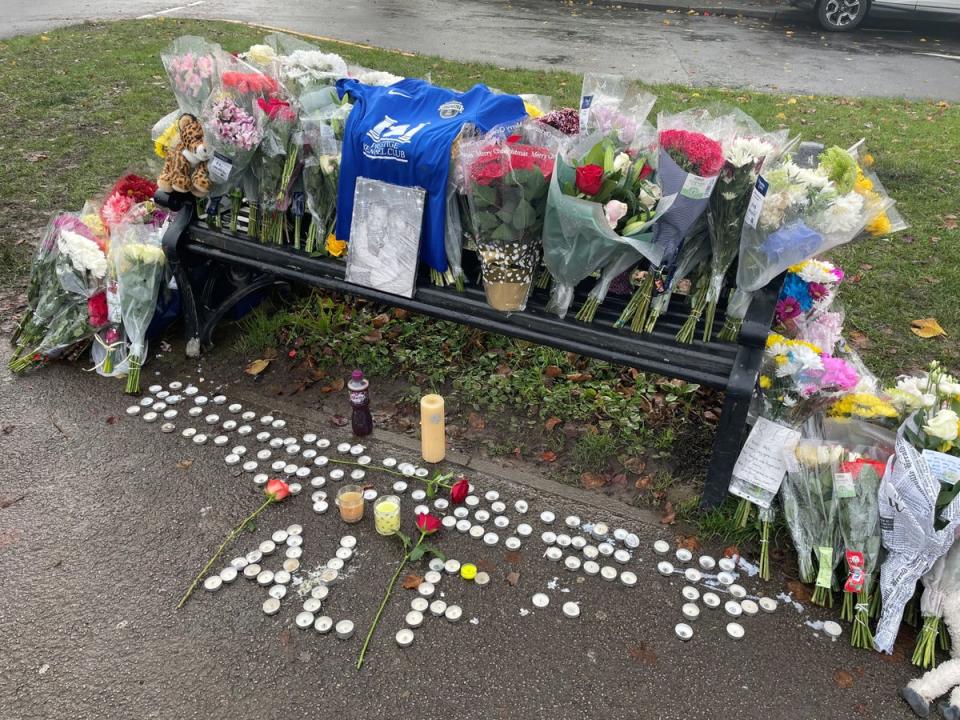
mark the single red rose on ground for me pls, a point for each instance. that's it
(277, 489)
(589, 179)
(459, 491)
(427, 523)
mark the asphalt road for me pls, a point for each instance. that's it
(101, 530)
(887, 58)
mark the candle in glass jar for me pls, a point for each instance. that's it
(433, 440)
(350, 502)
(386, 514)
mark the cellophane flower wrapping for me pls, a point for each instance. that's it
(321, 138)
(232, 127)
(856, 488)
(506, 177)
(690, 160)
(745, 149)
(192, 66)
(279, 161)
(809, 509)
(805, 212)
(582, 235)
(694, 252)
(58, 314)
(138, 259)
(940, 582)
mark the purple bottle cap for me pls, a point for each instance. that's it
(357, 375)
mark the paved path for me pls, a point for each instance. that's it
(886, 59)
(100, 531)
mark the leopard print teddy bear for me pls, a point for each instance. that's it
(185, 167)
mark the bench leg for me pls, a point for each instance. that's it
(210, 320)
(726, 446)
(172, 244)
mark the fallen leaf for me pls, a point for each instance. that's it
(927, 328)
(843, 679)
(380, 320)
(620, 480)
(412, 582)
(513, 557)
(950, 222)
(690, 542)
(486, 566)
(635, 465)
(548, 456)
(112, 420)
(334, 385)
(592, 481)
(374, 336)
(475, 421)
(800, 592)
(185, 464)
(732, 551)
(859, 339)
(643, 654)
(269, 354)
(551, 423)
(710, 416)
(579, 377)
(338, 420)
(257, 366)
(552, 371)
(504, 370)
(513, 578)
(643, 482)
(669, 515)
(36, 157)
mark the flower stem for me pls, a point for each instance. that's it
(689, 329)
(383, 604)
(742, 516)
(233, 534)
(589, 310)
(133, 377)
(730, 330)
(925, 653)
(765, 552)
(643, 295)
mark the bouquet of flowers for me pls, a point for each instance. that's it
(856, 486)
(506, 178)
(138, 261)
(917, 526)
(939, 583)
(279, 164)
(66, 271)
(804, 212)
(232, 127)
(810, 512)
(599, 206)
(566, 120)
(804, 306)
(127, 192)
(743, 154)
(690, 159)
(191, 65)
(321, 141)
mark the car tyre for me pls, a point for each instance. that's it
(842, 15)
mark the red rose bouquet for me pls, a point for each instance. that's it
(506, 178)
(689, 162)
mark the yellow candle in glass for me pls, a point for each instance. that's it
(432, 438)
(386, 514)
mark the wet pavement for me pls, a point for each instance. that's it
(889, 57)
(105, 520)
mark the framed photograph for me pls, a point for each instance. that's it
(385, 236)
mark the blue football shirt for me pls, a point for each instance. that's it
(402, 134)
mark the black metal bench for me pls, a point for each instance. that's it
(245, 266)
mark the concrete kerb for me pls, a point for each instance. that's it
(776, 12)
